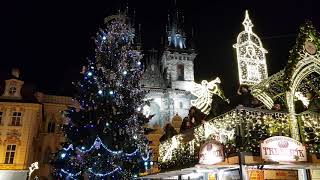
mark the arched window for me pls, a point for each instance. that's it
(51, 127)
(180, 71)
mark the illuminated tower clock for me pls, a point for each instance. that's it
(251, 57)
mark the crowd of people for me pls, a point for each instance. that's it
(243, 99)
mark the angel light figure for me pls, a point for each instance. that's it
(204, 92)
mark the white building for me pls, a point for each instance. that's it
(169, 75)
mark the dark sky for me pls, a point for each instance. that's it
(49, 40)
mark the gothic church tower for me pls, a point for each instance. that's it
(177, 59)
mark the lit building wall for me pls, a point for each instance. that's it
(29, 128)
(18, 134)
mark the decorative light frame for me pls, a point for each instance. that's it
(204, 92)
(252, 67)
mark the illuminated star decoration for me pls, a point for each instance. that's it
(204, 92)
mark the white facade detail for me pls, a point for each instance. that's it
(166, 93)
(179, 69)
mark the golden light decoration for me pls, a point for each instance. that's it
(251, 57)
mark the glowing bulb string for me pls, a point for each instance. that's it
(105, 174)
(97, 143)
(70, 174)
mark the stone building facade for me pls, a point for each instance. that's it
(29, 128)
(169, 75)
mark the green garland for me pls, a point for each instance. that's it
(307, 32)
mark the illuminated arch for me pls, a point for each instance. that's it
(310, 64)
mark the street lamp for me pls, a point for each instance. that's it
(32, 167)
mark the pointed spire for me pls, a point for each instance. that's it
(247, 22)
(175, 32)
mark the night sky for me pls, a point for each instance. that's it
(50, 40)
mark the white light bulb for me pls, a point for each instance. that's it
(83, 148)
(135, 137)
(100, 91)
(111, 92)
(89, 73)
(125, 72)
(139, 63)
(151, 163)
(63, 155)
(104, 37)
(146, 163)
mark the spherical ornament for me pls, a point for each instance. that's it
(310, 47)
(135, 137)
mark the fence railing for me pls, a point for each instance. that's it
(241, 129)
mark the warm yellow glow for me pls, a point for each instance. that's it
(283, 149)
(251, 58)
(204, 92)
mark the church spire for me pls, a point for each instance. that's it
(176, 35)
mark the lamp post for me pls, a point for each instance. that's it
(32, 168)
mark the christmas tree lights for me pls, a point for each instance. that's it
(105, 135)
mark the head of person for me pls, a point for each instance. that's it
(192, 110)
(277, 107)
(243, 89)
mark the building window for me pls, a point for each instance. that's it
(11, 150)
(12, 90)
(1, 113)
(180, 71)
(16, 119)
(181, 105)
(51, 127)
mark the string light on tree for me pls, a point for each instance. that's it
(251, 58)
(108, 95)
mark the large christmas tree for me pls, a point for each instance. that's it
(105, 136)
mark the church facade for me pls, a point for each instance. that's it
(169, 75)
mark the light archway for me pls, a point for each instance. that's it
(310, 64)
